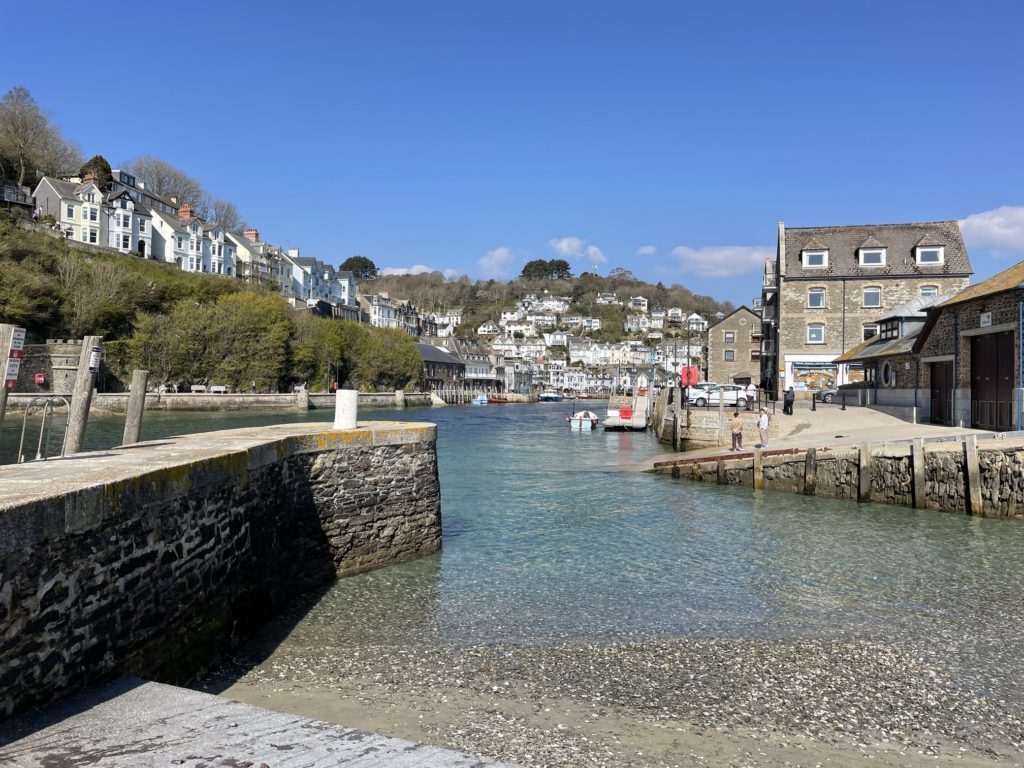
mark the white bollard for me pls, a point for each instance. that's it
(346, 408)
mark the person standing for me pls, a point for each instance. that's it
(750, 393)
(787, 401)
(762, 427)
(736, 426)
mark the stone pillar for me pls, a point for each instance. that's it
(917, 468)
(399, 398)
(972, 477)
(864, 472)
(810, 471)
(346, 408)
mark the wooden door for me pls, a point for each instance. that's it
(992, 381)
(942, 392)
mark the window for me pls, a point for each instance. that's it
(180, 244)
(891, 330)
(872, 257)
(816, 298)
(142, 226)
(870, 330)
(755, 355)
(873, 296)
(89, 198)
(730, 355)
(816, 333)
(71, 211)
(929, 291)
(815, 259)
(730, 337)
(126, 242)
(93, 236)
(930, 254)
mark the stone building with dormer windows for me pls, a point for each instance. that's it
(827, 287)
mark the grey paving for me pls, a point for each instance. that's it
(137, 724)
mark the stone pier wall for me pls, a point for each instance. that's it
(943, 482)
(146, 560)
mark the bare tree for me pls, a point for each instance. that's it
(162, 178)
(30, 140)
(226, 215)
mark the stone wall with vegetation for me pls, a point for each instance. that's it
(150, 575)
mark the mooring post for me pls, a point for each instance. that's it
(810, 471)
(6, 334)
(972, 476)
(864, 472)
(758, 468)
(399, 398)
(721, 472)
(81, 395)
(346, 408)
(917, 460)
(136, 405)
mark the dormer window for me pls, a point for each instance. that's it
(815, 259)
(930, 254)
(872, 257)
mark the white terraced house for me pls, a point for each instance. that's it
(76, 208)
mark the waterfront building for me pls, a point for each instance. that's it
(734, 348)
(441, 369)
(826, 288)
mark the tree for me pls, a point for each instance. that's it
(98, 166)
(559, 269)
(226, 216)
(618, 273)
(164, 179)
(536, 269)
(361, 267)
(30, 141)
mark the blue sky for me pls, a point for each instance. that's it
(665, 138)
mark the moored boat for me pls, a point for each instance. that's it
(480, 399)
(495, 400)
(582, 421)
(549, 396)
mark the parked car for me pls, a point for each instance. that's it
(728, 394)
(827, 395)
(696, 390)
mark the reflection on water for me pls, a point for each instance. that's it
(551, 535)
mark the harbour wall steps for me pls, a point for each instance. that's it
(964, 476)
(145, 560)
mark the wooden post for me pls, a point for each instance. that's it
(6, 332)
(136, 405)
(676, 472)
(81, 395)
(758, 468)
(810, 471)
(864, 472)
(917, 460)
(698, 472)
(972, 477)
(721, 472)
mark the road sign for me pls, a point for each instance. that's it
(17, 340)
(11, 374)
(95, 355)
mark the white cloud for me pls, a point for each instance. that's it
(578, 249)
(496, 262)
(646, 250)
(415, 269)
(1001, 229)
(451, 274)
(722, 260)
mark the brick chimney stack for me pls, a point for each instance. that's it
(252, 234)
(185, 211)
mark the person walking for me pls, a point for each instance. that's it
(750, 393)
(736, 425)
(787, 401)
(762, 427)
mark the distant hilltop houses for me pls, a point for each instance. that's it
(544, 340)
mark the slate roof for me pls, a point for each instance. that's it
(899, 240)
(1006, 280)
(432, 354)
(740, 308)
(876, 347)
(64, 188)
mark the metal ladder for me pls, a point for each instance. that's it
(48, 405)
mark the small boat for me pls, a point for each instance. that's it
(582, 421)
(479, 400)
(493, 400)
(549, 396)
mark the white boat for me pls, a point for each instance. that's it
(480, 399)
(582, 421)
(549, 396)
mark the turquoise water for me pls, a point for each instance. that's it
(551, 535)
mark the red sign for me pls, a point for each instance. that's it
(689, 376)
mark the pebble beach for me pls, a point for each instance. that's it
(677, 702)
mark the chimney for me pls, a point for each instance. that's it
(252, 234)
(89, 178)
(185, 211)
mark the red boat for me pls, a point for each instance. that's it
(491, 400)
